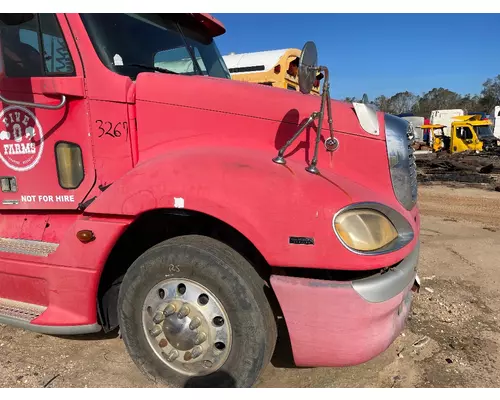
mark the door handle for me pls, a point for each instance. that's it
(35, 105)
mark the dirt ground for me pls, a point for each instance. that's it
(452, 338)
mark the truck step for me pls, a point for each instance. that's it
(19, 310)
(27, 247)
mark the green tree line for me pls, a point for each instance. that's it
(438, 99)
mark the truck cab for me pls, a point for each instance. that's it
(468, 133)
(472, 133)
(141, 190)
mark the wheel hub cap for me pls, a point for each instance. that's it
(187, 326)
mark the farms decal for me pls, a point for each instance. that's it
(21, 138)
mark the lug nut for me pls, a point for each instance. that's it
(195, 323)
(172, 355)
(196, 352)
(169, 310)
(155, 331)
(200, 338)
(158, 318)
(183, 312)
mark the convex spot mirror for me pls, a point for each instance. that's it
(308, 65)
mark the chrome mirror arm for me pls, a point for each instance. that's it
(331, 143)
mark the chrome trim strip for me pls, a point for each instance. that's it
(10, 202)
(383, 287)
(27, 247)
(20, 310)
(399, 138)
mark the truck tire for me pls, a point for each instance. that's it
(193, 313)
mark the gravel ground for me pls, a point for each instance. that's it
(451, 340)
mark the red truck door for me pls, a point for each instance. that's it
(46, 160)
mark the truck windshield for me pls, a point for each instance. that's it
(173, 43)
(484, 131)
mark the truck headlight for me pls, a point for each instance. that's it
(372, 228)
(364, 229)
(399, 138)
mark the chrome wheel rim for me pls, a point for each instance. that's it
(187, 327)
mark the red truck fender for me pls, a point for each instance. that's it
(242, 188)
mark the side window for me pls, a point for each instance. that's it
(465, 133)
(56, 54)
(35, 48)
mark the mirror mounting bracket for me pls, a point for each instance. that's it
(315, 115)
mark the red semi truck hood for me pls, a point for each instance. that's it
(175, 111)
(246, 99)
(212, 141)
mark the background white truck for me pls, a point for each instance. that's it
(445, 117)
(495, 119)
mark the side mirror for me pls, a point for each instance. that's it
(308, 67)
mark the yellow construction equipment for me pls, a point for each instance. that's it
(276, 68)
(467, 133)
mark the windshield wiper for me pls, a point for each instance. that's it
(152, 68)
